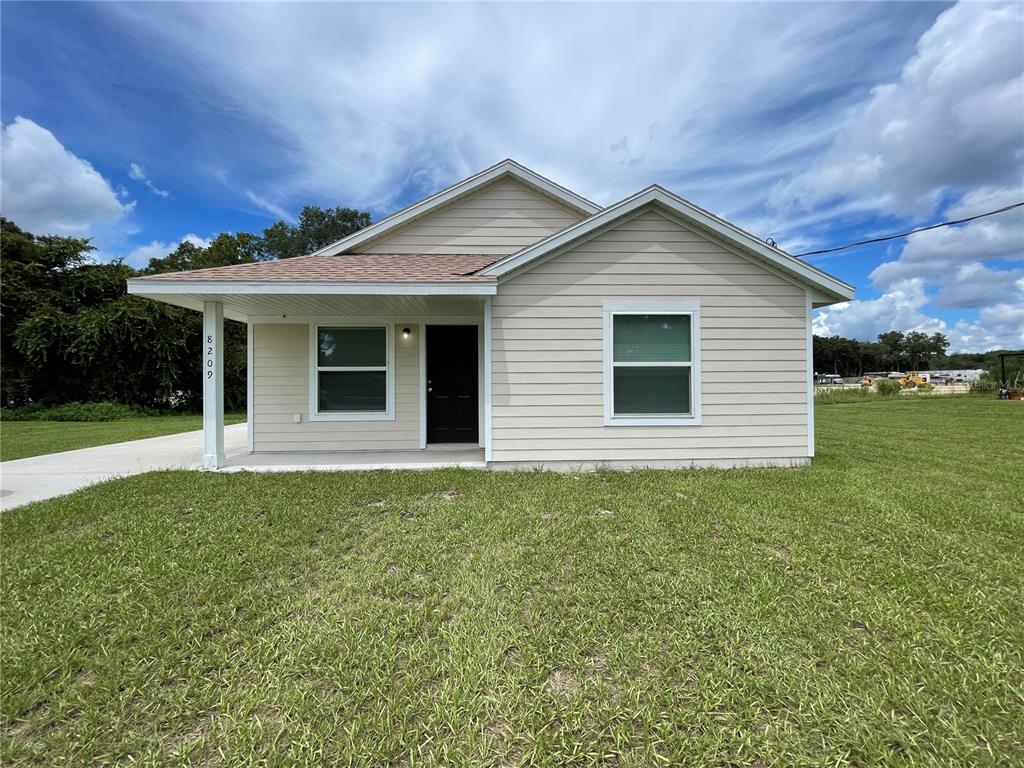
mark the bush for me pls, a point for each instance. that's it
(77, 412)
(887, 387)
(925, 387)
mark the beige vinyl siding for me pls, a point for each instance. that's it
(500, 218)
(547, 387)
(281, 389)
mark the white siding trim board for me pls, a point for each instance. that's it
(810, 377)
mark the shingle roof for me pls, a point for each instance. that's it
(350, 268)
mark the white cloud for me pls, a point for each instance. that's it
(975, 285)
(47, 190)
(902, 307)
(937, 254)
(368, 106)
(266, 205)
(952, 120)
(140, 255)
(359, 105)
(998, 327)
(135, 171)
(898, 308)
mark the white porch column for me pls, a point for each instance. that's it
(488, 375)
(213, 384)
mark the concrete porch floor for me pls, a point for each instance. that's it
(433, 457)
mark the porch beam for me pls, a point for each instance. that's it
(213, 384)
(153, 288)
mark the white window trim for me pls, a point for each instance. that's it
(314, 380)
(652, 307)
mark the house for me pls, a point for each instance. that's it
(526, 324)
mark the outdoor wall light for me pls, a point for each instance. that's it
(406, 333)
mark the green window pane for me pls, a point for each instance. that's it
(651, 339)
(353, 391)
(652, 391)
(344, 347)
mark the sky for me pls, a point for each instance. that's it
(140, 125)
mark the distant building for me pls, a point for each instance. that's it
(961, 374)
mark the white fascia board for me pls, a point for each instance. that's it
(838, 290)
(504, 168)
(142, 287)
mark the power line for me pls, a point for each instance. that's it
(909, 232)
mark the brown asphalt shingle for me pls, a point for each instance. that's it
(350, 268)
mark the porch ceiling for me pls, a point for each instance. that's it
(275, 307)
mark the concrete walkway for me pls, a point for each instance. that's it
(43, 477)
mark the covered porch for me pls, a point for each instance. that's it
(339, 372)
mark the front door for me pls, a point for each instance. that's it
(453, 406)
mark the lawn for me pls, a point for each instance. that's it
(863, 611)
(20, 439)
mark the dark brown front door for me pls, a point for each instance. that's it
(453, 405)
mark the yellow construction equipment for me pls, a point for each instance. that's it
(906, 380)
(913, 379)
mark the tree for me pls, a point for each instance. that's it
(317, 227)
(30, 271)
(225, 250)
(70, 331)
(938, 344)
(891, 347)
(916, 348)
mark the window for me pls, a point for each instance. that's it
(651, 367)
(352, 372)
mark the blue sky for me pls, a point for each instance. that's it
(815, 124)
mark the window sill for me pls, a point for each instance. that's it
(652, 421)
(352, 416)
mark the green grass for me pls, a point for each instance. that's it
(863, 611)
(20, 439)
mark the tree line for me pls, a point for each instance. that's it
(69, 331)
(895, 351)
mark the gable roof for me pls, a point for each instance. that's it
(506, 168)
(658, 197)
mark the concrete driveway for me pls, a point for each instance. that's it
(43, 477)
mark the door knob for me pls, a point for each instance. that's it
(430, 389)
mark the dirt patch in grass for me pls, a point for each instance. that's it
(562, 682)
(85, 677)
(175, 744)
